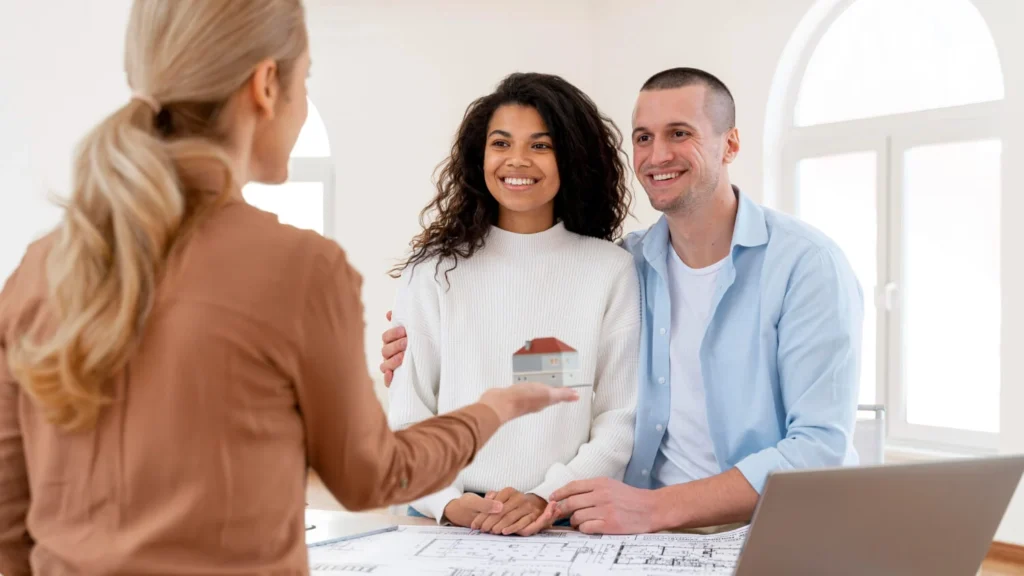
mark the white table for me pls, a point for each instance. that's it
(330, 524)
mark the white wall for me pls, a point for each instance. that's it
(61, 76)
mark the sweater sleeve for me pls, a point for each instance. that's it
(15, 542)
(412, 396)
(360, 459)
(615, 385)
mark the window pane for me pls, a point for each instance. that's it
(312, 142)
(951, 306)
(893, 56)
(836, 194)
(299, 204)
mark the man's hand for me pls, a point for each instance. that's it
(606, 506)
(519, 512)
(463, 510)
(395, 340)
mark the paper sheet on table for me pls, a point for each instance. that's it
(446, 551)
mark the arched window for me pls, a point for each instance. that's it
(892, 146)
(306, 199)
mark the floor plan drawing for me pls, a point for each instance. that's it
(692, 556)
(444, 551)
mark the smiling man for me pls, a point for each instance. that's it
(751, 331)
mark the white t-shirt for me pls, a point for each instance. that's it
(686, 452)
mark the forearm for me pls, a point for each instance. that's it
(723, 499)
(367, 469)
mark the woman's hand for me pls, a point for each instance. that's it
(518, 511)
(463, 510)
(525, 398)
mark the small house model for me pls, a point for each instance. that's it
(547, 360)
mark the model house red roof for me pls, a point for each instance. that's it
(544, 346)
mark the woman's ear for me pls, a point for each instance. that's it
(265, 88)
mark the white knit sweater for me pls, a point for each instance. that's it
(518, 287)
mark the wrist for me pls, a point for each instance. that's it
(447, 511)
(668, 507)
(496, 400)
(537, 498)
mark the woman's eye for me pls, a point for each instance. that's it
(499, 143)
(542, 146)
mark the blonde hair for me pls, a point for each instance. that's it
(133, 196)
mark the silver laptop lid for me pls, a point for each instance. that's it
(935, 518)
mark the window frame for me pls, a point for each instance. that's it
(317, 170)
(888, 137)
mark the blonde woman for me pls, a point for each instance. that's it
(171, 359)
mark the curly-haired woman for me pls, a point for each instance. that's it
(519, 247)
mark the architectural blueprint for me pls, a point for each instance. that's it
(444, 551)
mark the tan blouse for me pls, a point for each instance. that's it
(251, 369)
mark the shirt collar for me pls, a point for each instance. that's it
(750, 230)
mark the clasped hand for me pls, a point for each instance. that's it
(504, 512)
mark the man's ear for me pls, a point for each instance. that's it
(265, 88)
(732, 146)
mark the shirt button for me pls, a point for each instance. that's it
(661, 380)
(659, 427)
(662, 331)
(404, 483)
(643, 472)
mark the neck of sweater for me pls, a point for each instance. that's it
(513, 245)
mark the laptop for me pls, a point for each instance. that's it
(934, 518)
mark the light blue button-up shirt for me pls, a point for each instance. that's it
(780, 358)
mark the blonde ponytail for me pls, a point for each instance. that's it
(133, 192)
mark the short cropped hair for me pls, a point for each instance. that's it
(719, 104)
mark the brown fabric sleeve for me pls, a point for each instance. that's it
(350, 446)
(15, 543)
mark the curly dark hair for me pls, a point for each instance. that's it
(593, 198)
